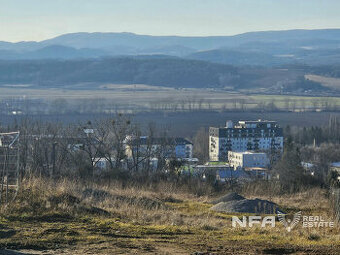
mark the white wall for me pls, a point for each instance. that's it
(243, 160)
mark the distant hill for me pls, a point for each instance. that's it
(262, 62)
(53, 52)
(270, 48)
(239, 58)
(111, 40)
(160, 70)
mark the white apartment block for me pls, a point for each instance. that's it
(247, 159)
(257, 136)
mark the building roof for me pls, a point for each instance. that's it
(307, 165)
(256, 121)
(335, 164)
(214, 167)
(251, 128)
(255, 169)
(248, 152)
(144, 140)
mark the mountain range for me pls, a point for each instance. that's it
(271, 48)
(275, 62)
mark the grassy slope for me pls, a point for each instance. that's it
(174, 223)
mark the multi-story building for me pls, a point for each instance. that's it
(177, 147)
(247, 159)
(258, 136)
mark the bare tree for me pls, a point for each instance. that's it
(201, 148)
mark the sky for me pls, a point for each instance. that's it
(36, 20)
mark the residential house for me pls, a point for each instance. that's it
(144, 146)
(248, 159)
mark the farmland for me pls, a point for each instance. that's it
(330, 82)
(146, 97)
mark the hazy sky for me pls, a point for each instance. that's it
(42, 19)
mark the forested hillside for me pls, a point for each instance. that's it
(170, 72)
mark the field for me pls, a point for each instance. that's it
(75, 219)
(333, 83)
(145, 97)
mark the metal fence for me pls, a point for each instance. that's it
(9, 166)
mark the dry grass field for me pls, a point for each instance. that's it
(69, 218)
(145, 97)
(333, 83)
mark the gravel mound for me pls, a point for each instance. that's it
(247, 206)
(233, 196)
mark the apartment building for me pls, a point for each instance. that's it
(258, 136)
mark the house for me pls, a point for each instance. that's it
(183, 148)
(144, 146)
(260, 135)
(335, 168)
(103, 165)
(258, 172)
(224, 175)
(207, 168)
(310, 168)
(212, 169)
(248, 159)
(222, 172)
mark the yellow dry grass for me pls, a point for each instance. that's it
(148, 220)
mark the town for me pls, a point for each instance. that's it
(238, 152)
(244, 151)
(115, 166)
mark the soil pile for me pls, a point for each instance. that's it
(235, 203)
